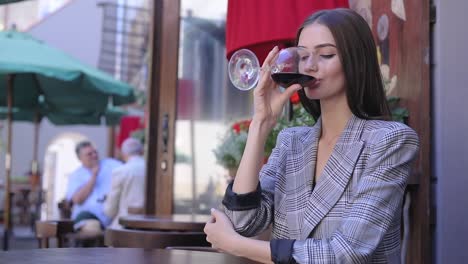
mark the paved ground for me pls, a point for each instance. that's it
(22, 238)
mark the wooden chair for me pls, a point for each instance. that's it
(65, 209)
(132, 238)
(63, 230)
(57, 229)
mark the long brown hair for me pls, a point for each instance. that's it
(358, 55)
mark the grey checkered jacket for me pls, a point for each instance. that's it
(352, 214)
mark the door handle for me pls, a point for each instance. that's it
(165, 132)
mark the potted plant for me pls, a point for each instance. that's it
(229, 153)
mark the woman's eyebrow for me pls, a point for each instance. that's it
(325, 45)
(321, 46)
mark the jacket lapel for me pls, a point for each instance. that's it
(300, 185)
(335, 176)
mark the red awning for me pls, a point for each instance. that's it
(259, 25)
(128, 124)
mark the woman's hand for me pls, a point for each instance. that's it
(222, 236)
(268, 99)
(220, 232)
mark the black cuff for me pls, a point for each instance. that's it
(281, 251)
(242, 202)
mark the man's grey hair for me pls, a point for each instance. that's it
(132, 146)
(81, 145)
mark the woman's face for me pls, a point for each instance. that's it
(323, 63)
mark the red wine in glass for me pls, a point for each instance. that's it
(286, 79)
(286, 69)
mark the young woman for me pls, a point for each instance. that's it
(332, 192)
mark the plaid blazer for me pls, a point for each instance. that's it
(352, 214)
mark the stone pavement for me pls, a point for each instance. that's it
(22, 238)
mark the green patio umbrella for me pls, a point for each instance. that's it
(2, 2)
(66, 84)
(110, 117)
(36, 76)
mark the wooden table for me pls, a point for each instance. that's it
(116, 256)
(176, 222)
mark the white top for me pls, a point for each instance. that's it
(95, 200)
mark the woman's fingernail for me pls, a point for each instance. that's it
(212, 209)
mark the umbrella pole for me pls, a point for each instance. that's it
(34, 163)
(36, 136)
(36, 181)
(7, 209)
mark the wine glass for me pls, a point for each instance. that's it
(287, 68)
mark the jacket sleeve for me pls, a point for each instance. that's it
(111, 205)
(253, 212)
(371, 212)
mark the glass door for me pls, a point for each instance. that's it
(191, 104)
(206, 106)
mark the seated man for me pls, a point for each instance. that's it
(87, 189)
(128, 183)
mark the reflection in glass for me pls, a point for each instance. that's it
(206, 104)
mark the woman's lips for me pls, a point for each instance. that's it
(312, 84)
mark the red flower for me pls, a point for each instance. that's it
(294, 99)
(241, 126)
(236, 128)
